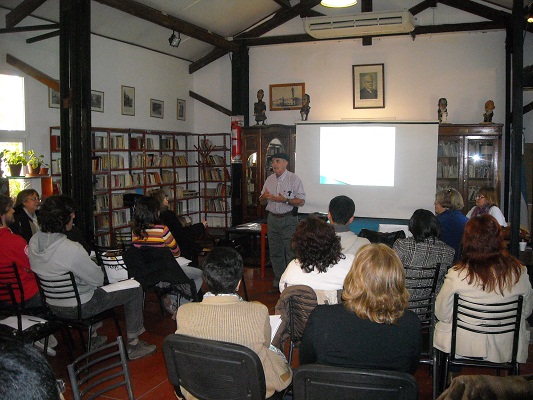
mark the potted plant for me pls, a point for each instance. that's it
(34, 162)
(44, 169)
(15, 159)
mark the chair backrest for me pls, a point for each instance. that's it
(110, 259)
(422, 279)
(100, 371)
(387, 238)
(487, 319)
(61, 287)
(10, 274)
(8, 304)
(314, 382)
(123, 238)
(424, 308)
(212, 370)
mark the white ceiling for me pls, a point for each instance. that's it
(225, 18)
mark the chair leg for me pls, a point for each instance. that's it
(117, 325)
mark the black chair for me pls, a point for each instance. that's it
(100, 371)
(387, 238)
(64, 287)
(123, 238)
(484, 319)
(323, 382)
(213, 370)
(17, 326)
(112, 263)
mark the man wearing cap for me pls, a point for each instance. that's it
(282, 192)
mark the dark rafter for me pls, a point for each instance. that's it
(30, 28)
(283, 3)
(423, 6)
(33, 72)
(366, 6)
(279, 18)
(21, 11)
(43, 37)
(210, 103)
(478, 9)
(159, 18)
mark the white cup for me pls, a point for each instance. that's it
(522, 246)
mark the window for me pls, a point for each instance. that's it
(12, 112)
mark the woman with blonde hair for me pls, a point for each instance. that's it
(373, 327)
(448, 206)
(487, 203)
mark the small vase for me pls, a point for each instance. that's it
(33, 170)
(44, 171)
(15, 169)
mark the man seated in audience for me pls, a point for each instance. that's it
(52, 254)
(224, 316)
(341, 215)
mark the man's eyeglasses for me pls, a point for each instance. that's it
(34, 198)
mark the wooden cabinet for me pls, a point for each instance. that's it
(469, 158)
(259, 143)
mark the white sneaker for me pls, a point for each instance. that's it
(40, 345)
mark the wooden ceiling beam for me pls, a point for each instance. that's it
(478, 9)
(283, 3)
(210, 103)
(43, 37)
(33, 72)
(422, 6)
(30, 28)
(21, 11)
(167, 21)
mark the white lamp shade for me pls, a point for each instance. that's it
(338, 3)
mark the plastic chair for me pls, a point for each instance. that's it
(484, 319)
(323, 382)
(213, 370)
(100, 371)
(64, 287)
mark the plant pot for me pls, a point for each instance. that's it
(44, 171)
(15, 169)
(34, 170)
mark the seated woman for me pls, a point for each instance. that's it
(26, 212)
(224, 316)
(185, 236)
(149, 233)
(487, 273)
(487, 203)
(372, 328)
(424, 250)
(319, 262)
(448, 206)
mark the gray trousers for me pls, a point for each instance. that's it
(280, 232)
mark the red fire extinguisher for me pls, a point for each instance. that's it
(236, 142)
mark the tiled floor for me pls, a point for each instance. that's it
(149, 375)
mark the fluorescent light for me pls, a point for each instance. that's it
(338, 3)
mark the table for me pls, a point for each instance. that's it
(254, 230)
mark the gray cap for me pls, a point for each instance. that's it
(283, 156)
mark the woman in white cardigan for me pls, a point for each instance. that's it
(487, 203)
(487, 273)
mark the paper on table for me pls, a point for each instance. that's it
(121, 285)
(183, 261)
(27, 321)
(275, 322)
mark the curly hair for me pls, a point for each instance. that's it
(486, 258)
(55, 213)
(316, 245)
(145, 215)
(375, 285)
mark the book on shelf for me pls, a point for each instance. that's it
(55, 143)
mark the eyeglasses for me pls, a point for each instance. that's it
(34, 198)
(478, 197)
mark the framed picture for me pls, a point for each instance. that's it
(368, 86)
(286, 96)
(128, 100)
(53, 98)
(180, 110)
(97, 101)
(157, 108)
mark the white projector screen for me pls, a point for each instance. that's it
(389, 169)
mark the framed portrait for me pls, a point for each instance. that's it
(54, 98)
(97, 101)
(180, 110)
(157, 108)
(286, 96)
(128, 100)
(368, 86)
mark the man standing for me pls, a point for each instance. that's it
(282, 192)
(340, 215)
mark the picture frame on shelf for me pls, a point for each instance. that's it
(97, 101)
(180, 110)
(286, 96)
(368, 86)
(54, 98)
(157, 108)
(127, 100)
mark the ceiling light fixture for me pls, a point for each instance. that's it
(530, 16)
(174, 40)
(338, 3)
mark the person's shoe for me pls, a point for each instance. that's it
(141, 349)
(98, 341)
(40, 345)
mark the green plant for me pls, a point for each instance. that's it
(34, 160)
(14, 157)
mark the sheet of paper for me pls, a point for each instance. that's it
(275, 322)
(121, 285)
(27, 321)
(183, 261)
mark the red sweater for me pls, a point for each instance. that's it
(14, 248)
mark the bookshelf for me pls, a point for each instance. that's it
(133, 161)
(214, 178)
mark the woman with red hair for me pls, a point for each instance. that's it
(487, 273)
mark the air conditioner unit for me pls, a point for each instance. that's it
(364, 24)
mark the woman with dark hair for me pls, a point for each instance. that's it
(26, 212)
(319, 262)
(185, 236)
(487, 273)
(148, 232)
(487, 203)
(424, 249)
(448, 206)
(372, 328)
